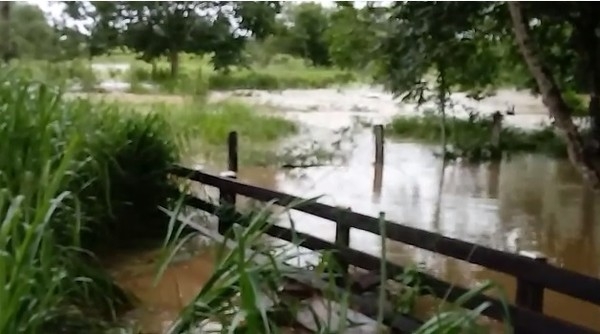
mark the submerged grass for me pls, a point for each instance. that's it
(470, 139)
(74, 177)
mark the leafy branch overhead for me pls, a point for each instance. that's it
(473, 46)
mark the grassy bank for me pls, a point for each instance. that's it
(470, 139)
(202, 128)
(75, 176)
(196, 76)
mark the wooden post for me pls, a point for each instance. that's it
(528, 294)
(342, 239)
(378, 129)
(378, 166)
(495, 134)
(232, 150)
(227, 199)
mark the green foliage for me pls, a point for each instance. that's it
(63, 74)
(196, 78)
(306, 37)
(470, 139)
(473, 45)
(210, 123)
(122, 157)
(576, 102)
(50, 283)
(439, 37)
(31, 34)
(353, 35)
(278, 77)
(154, 29)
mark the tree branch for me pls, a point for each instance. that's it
(551, 96)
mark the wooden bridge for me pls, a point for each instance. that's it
(532, 274)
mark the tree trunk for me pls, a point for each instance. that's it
(552, 98)
(174, 59)
(591, 46)
(5, 30)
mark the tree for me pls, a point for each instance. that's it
(31, 34)
(352, 34)
(5, 7)
(551, 92)
(556, 43)
(431, 48)
(302, 32)
(166, 28)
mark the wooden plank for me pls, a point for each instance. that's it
(525, 320)
(563, 281)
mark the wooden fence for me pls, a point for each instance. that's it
(533, 275)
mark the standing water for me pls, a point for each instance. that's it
(529, 202)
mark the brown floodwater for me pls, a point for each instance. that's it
(527, 202)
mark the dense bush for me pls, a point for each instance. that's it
(71, 170)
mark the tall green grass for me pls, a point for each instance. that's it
(76, 73)
(202, 128)
(73, 178)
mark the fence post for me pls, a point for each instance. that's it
(227, 199)
(528, 294)
(495, 134)
(232, 151)
(378, 166)
(342, 239)
(378, 129)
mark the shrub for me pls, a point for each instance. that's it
(69, 167)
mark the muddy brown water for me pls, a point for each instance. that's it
(527, 202)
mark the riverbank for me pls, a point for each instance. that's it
(195, 77)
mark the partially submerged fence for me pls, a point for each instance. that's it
(533, 275)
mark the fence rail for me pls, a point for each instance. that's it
(532, 275)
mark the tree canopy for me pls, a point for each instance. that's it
(166, 28)
(463, 44)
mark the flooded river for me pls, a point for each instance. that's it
(528, 202)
